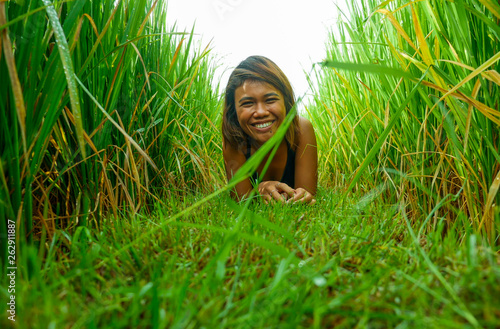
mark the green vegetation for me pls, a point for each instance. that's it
(294, 266)
(145, 108)
(410, 105)
(111, 167)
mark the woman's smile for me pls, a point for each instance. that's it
(263, 125)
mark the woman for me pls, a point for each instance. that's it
(258, 97)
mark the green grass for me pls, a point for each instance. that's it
(104, 108)
(321, 266)
(111, 165)
(406, 100)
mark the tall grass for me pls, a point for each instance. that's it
(407, 108)
(104, 111)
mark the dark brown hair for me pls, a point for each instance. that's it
(256, 68)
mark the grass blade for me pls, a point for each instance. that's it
(62, 46)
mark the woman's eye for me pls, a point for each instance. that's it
(246, 104)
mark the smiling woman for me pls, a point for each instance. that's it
(258, 97)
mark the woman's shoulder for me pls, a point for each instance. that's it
(304, 123)
(230, 150)
(306, 130)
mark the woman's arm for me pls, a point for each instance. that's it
(306, 171)
(233, 160)
(306, 164)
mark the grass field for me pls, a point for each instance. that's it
(408, 104)
(350, 265)
(111, 176)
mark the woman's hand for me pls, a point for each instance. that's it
(281, 192)
(274, 190)
(302, 196)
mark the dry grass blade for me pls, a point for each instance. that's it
(14, 79)
(487, 111)
(101, 36)
(492, 6)
(146, 75)
(488, 207)
(85, 135)
(398, 27)
(475, 73)
(426, 54)
(130, 139)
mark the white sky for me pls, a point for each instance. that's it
(291, 33)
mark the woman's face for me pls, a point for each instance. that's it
(260, 109)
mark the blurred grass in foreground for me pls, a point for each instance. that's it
(297, 267)
(408, 108)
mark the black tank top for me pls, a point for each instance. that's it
(289, 174)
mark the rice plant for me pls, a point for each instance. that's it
(104, 111)
(110, 162)
(408, 108)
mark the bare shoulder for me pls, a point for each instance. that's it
(233, 158)
(303, 122)
(307, 135)
(229, 151)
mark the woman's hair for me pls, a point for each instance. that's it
(256, 68)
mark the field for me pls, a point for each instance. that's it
(329, 265)
(113, 192)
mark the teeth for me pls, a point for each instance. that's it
(264, 125)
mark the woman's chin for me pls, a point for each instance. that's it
(262, 139)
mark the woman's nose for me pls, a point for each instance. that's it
(261, 110)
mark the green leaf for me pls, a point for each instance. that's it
(63, 47)
(380, 141)
(367, 68)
